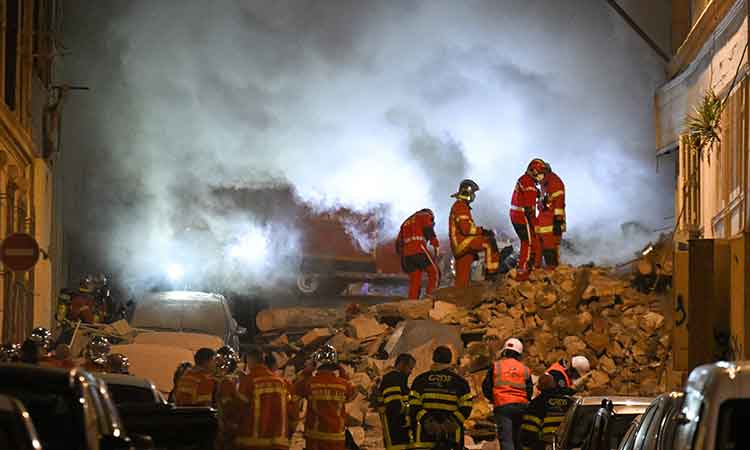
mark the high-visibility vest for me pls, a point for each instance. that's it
(557, 367)
(509, 383)
(195, 388)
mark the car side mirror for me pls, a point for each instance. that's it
(241, 331)
(115, 443)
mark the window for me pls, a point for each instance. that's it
(130, 394)
(732, 433)
(12, 14)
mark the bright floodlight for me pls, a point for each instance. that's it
(175, 272)
(251, 248)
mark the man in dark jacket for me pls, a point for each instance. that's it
(393, 403)
(440, 401)
(545, 413)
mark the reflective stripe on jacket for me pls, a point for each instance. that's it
(327, 395)
(264, 410)
(415, 232)
(509, 383)
(560, 369)
(195, 388)
(461, 227)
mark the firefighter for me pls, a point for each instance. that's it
(96, 354)
(196, 386)
(411, 245)
(568, 375)
(226, 395)
(327, 394)
(549, 243)
(545, 413)
(393, 403)
(509, 387)
(178, 373)
(440, 401)
(554, 189)
(260, 413)
(83, 302)
(118, 363)
(468, 240)
(523, 218)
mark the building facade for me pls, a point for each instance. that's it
(712, 186)
(29, 116)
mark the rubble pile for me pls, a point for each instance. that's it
(556, 314)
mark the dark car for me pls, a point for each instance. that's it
(71, 409)
(145, 411)
(577, 424)
(656, 428)
(16, 429)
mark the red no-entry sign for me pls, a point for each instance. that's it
(19, 252)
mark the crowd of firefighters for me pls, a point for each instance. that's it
(537, 213)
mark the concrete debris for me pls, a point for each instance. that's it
(558, 314)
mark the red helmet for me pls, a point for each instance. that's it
(537, 168)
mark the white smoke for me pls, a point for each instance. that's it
(363, 105)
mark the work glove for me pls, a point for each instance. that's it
(557, 227)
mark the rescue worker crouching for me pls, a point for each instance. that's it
(327, 394)
(393, 404)
(411, 245)
(440, 402)
(545, 413)
(468, 240)
(263, 408)
(523, 217)
(196, 386)
(569, 375)
(508, 385)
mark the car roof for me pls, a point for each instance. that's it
(60, 378)
(126, 380)
(711, 377)
(182, 296)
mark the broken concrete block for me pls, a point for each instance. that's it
(574, 345)
(365, 327)
(405, 309)
(441, 310)
(297, 318)
(597, 342)
(651, 322)
(314, 335)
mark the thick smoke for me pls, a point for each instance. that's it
(363, 105)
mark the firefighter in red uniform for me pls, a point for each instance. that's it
(263, 408)
(226, 361)
(327, 395)
(196, 386)
(544, 229)
(411, 245)
(467, 239)
(522, 216)
(96, 354)
(554, 189)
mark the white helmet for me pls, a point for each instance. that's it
(513, 344)
(581, 364)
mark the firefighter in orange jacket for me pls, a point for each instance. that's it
(508, 385)
(544, 229)
(226, 361)
(327, 395)
(196, 386)
(263, 407)
(467, 239)
(411, 245)
(554, 189)
(522, 215)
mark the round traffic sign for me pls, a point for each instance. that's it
(19, 252)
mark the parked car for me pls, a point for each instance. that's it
(16, 429)
(716, 408)
(187, 312)
(655, 429)
(577, 424)
(71, 409)
(145, 411)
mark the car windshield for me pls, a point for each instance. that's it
(130, 394)
(584, 419)
(190, 315)
(734, 415)
(55, 414)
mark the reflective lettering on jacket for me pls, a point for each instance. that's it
(327, 395)
(509, 384)
(264, 410)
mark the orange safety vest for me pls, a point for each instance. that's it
(264, 414)
(461, 228)
(327, 395)
(509, 382)
(195, 388)
(557, 367)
